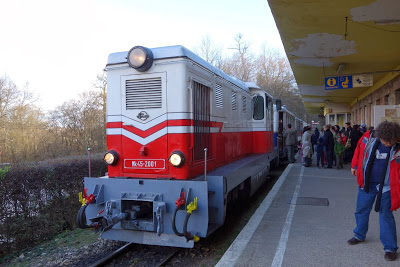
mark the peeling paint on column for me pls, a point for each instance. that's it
(381, 11)
(316, 90)
(316, 49)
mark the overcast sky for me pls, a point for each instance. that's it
(59, 47)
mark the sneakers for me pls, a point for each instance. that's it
(354, 241)
(390, 256)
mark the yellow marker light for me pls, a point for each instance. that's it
(111, 157)
(177, 159)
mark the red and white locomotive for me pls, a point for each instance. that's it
(184, 140)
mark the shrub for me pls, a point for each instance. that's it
(39, 200)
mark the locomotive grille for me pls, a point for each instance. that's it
(143, 93)
(233, 98)
(218, 96)
(201, 120)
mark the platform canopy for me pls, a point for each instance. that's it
(327, 41)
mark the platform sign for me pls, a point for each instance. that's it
(341, 82)
(331, 83)
(363, 80)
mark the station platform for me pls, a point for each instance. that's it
(296, 226)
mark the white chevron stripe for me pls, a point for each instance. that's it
(164, 131)
(143, 126)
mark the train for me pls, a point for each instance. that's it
(184, 140)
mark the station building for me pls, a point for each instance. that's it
(345, 56)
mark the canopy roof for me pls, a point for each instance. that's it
(363, 36)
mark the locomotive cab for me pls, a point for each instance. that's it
(150, 118)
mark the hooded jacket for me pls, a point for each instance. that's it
(392, 180)
(291, 137)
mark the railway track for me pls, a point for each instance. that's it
(112, 255)
(126, 248)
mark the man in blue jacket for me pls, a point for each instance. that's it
(329, 144)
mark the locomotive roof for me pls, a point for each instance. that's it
(180, 51)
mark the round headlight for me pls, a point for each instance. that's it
(177, 159)
(111, 157)
(140, 58)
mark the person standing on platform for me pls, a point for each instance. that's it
(339, 151)
(347, 154)
(306, 146)
(355, 135)
(329, 145)
(319, 148)
(314, 138)
(376, 163)
(290, 136)
(334, 134)
(347, 126)
(363, 128)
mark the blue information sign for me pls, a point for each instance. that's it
(341, 82)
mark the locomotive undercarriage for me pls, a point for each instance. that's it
(146, 210)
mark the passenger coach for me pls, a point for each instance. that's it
(283, 117)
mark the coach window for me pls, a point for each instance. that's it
(258, 107)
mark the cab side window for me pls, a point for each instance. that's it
(258, 107)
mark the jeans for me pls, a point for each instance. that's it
(320, 157)
(387, 224)
(339, 160)
(290, 151)
(329, 158)
(346, 157)
(351, 154)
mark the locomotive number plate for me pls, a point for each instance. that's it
(145, 163)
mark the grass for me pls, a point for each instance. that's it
(65, 241)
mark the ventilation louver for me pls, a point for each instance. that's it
(218, 96)
(143, 93)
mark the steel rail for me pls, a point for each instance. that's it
(168, 258)
(111, 256)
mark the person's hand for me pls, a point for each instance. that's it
(354, 171)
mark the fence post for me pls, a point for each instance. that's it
(90, 164)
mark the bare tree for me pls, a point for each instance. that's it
(209, 51)
(274, 74)
(101, 85)
(241, 63)
(80, 123)
(9, 95)
(21, 123)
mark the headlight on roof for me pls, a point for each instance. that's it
(177, 159)
(140, 58)
(111, 157)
